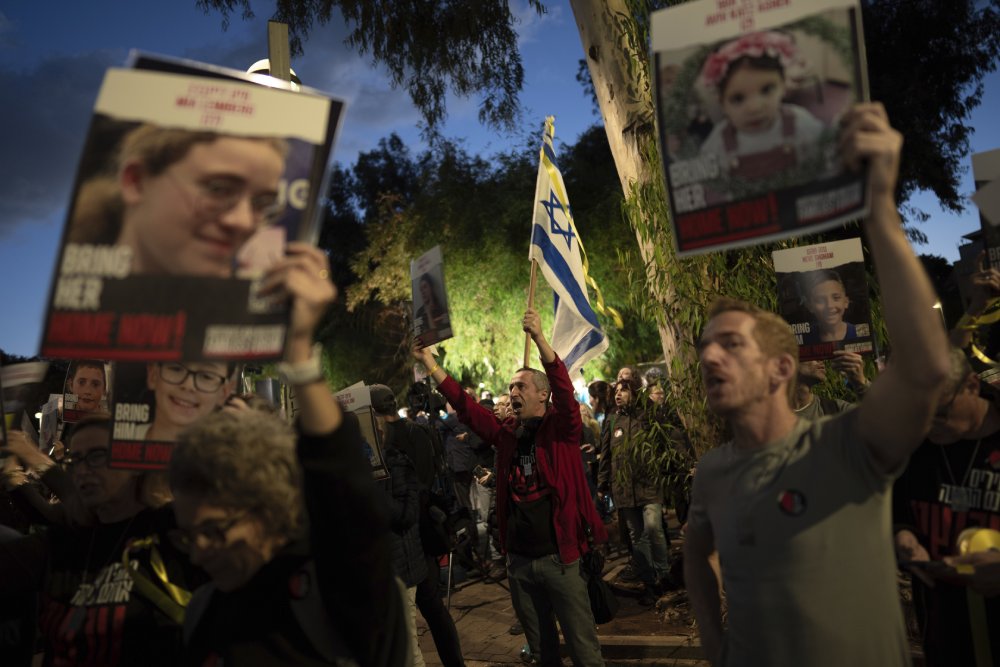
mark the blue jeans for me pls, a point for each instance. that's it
(543, 590)
(649, 543)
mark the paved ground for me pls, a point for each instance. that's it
(639, 635)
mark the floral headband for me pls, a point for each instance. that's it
(754, 45)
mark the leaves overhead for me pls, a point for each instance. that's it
(926, 61)
(427, 46)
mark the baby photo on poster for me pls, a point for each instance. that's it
(749, 113)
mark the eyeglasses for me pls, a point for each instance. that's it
(214, 533)
(204, 381)
(95, 458)
(945, 408)
(216, 195)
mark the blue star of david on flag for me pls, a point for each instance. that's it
(576, 332)
(551, 206)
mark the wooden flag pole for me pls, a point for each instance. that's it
(278, 58)
(531, 304)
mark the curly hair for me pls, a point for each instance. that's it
(244, 461)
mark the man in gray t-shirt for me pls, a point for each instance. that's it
(798, 511)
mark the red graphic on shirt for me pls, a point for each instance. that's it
(792, 502)
(994, 459)
(941, 524)
(83, 636)
(525, 483)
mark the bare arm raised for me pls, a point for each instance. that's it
(532, 325)
(303, 275)
(896, 413)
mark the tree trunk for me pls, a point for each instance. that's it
(620, 73)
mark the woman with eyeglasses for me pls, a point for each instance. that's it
(184, 393)
(289, 524)
(182, 202)
(113, 590)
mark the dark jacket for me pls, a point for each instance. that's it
(403, 494)
(412, 440)
(328, 599)
(636, 489)
(558, 458)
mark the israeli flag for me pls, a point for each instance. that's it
(577, 336)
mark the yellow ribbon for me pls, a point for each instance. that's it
(991, 315)
(556, 180)
(174, 605)
(974, 540)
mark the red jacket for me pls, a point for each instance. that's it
(557, 451)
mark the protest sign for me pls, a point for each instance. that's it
(986, 173)
(154, 402)
(88, 382)
(358, 399)
(823, 295)
(50, 429)
(431, 320)
(19, 385)
(749, 97)
(187, 186)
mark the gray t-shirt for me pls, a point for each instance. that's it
(803, 529)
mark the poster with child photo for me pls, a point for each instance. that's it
(823, 295)
(88, 382)
(187, 190)
(749, 99)
(155, 401)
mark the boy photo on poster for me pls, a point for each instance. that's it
(431, 320)
(182, 197)
(155, 401)
(749, 104)
(87, 385)
(823, 295)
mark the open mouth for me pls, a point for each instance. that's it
(713, 381)
(180, 402)
(516, 405)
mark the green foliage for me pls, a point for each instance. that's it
(479, 211)
(659, 454)
(431, 48)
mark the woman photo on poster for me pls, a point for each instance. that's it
(760, 135)
(86, 387)
(432, 314)
(183, 202)
(183, 394)
(825, 297)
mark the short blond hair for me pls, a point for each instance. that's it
(773, 334)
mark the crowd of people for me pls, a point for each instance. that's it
(270, 543)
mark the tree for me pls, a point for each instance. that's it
(428, 47)
(476, 209)
(942, 48)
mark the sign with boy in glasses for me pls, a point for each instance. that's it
(155, 401)
(186, 192)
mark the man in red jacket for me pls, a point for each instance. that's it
(544, 508)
